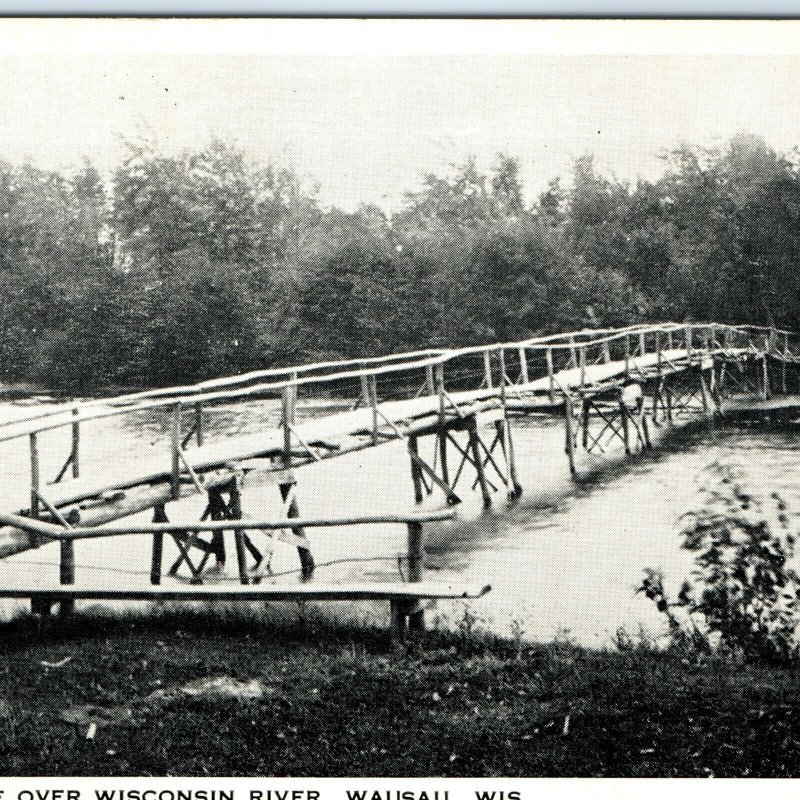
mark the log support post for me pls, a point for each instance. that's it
(704, 393)
(477, 458)
(409, 615)
(512, 483)
(66, 574)
(293, 510)
(626, 426)
(659, 357)
(569, 434)
(416, 470)
(159, 516)
(235, 513)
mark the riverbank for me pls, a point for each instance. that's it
(317, 699)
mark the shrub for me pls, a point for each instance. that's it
(742, 594)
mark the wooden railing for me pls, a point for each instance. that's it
(403, 596)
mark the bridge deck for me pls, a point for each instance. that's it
(350, 431)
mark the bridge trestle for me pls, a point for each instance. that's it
(252, 563)
(459, 435)
(598, 421)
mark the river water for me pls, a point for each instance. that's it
(565, 560)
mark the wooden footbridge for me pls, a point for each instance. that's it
(608, 386)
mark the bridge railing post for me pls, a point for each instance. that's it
(658, 356)
(287, 421)
(550, 375)
(523, 365)
(642, 343)
(198, 423)
(372, 385)
(76, 445)
(429, 383)
(688, 335)
(784, 357)
(487, 369)
(439, 383)
(582, 354)
(365, 394)
(501, 357)
(175, 446)
(573, 355)
(35, 475)
(627, 355)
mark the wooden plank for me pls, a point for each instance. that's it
(261, 591)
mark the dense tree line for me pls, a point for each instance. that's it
(181, 268)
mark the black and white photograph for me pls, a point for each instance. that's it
(399, 398)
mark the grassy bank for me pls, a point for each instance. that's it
(344, 702)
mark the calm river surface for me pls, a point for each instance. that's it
(564, 560)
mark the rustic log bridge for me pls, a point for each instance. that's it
(689, 369)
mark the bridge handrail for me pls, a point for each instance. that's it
(57, 532)
(170, 397)
(175, 392)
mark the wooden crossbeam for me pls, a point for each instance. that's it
(63, 471)
(452, 497)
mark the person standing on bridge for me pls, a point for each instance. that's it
(631, 401)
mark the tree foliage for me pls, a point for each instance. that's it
(190, 265)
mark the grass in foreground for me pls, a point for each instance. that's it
(344, 702)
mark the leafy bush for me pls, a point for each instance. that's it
(742, 594)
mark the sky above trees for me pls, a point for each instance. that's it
(367, 128)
